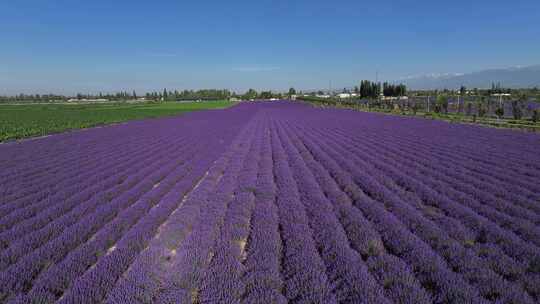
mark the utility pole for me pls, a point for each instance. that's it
(459, 99)
(377, 83)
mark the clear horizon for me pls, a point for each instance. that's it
(68, 47)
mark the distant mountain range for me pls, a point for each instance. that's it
(514, 77)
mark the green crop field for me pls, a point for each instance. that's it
(20, 121)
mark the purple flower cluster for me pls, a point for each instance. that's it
(272, 202)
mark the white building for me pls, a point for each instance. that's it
(88, 100)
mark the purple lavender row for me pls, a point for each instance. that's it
(516, 247)
(503, 265)
(94, 284)
(514, 219)
(107, 177)
(514, 192)
(51, 283)
(460, 132)
(64, 181)
(479, 201)
(55, 145)
(18, 276)
(205, 129)
(108, 137)
(64, 176)
(19, 150)
(31, 262)
(484, 164)
(69, 212)
(303, 269)
(491, 173)
(196, 252)
(421, 149)
(507, 148)
(461, 259)
(397, 278)
(70, 148)
(79, 191)
(221, 282)
(499, 262)
(263, 252)
(142, 281)
(344, 266)
(130, 146)
(46, 230)
(525, 168)
(24, 166)
(492, 188)
(40, 169)
(409, 128)
(504, 156)
(41, 165)
(163, 152)
(431, 270)
(524, 275)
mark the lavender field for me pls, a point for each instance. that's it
(272, 203)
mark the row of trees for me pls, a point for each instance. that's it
(253, 94)
(172, 95)
(495, 89)
(369, 89)
(164, 95)
(486, 105)
(394, 90)
(122, 95)
(215, 94)
(32, 97)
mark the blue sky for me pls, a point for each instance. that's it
(73, 46)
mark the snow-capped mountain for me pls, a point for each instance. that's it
(513, 77)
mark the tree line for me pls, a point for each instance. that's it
(486, 105)
(163, 95)
(394, 90)
(370, 89)
(204, 94)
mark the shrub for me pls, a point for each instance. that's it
(536, 115)
(482, 109)
(517, 109)
(469, 109)
(499, 112)
(442, 103)
(415, 107)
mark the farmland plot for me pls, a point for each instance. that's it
(272, 203)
